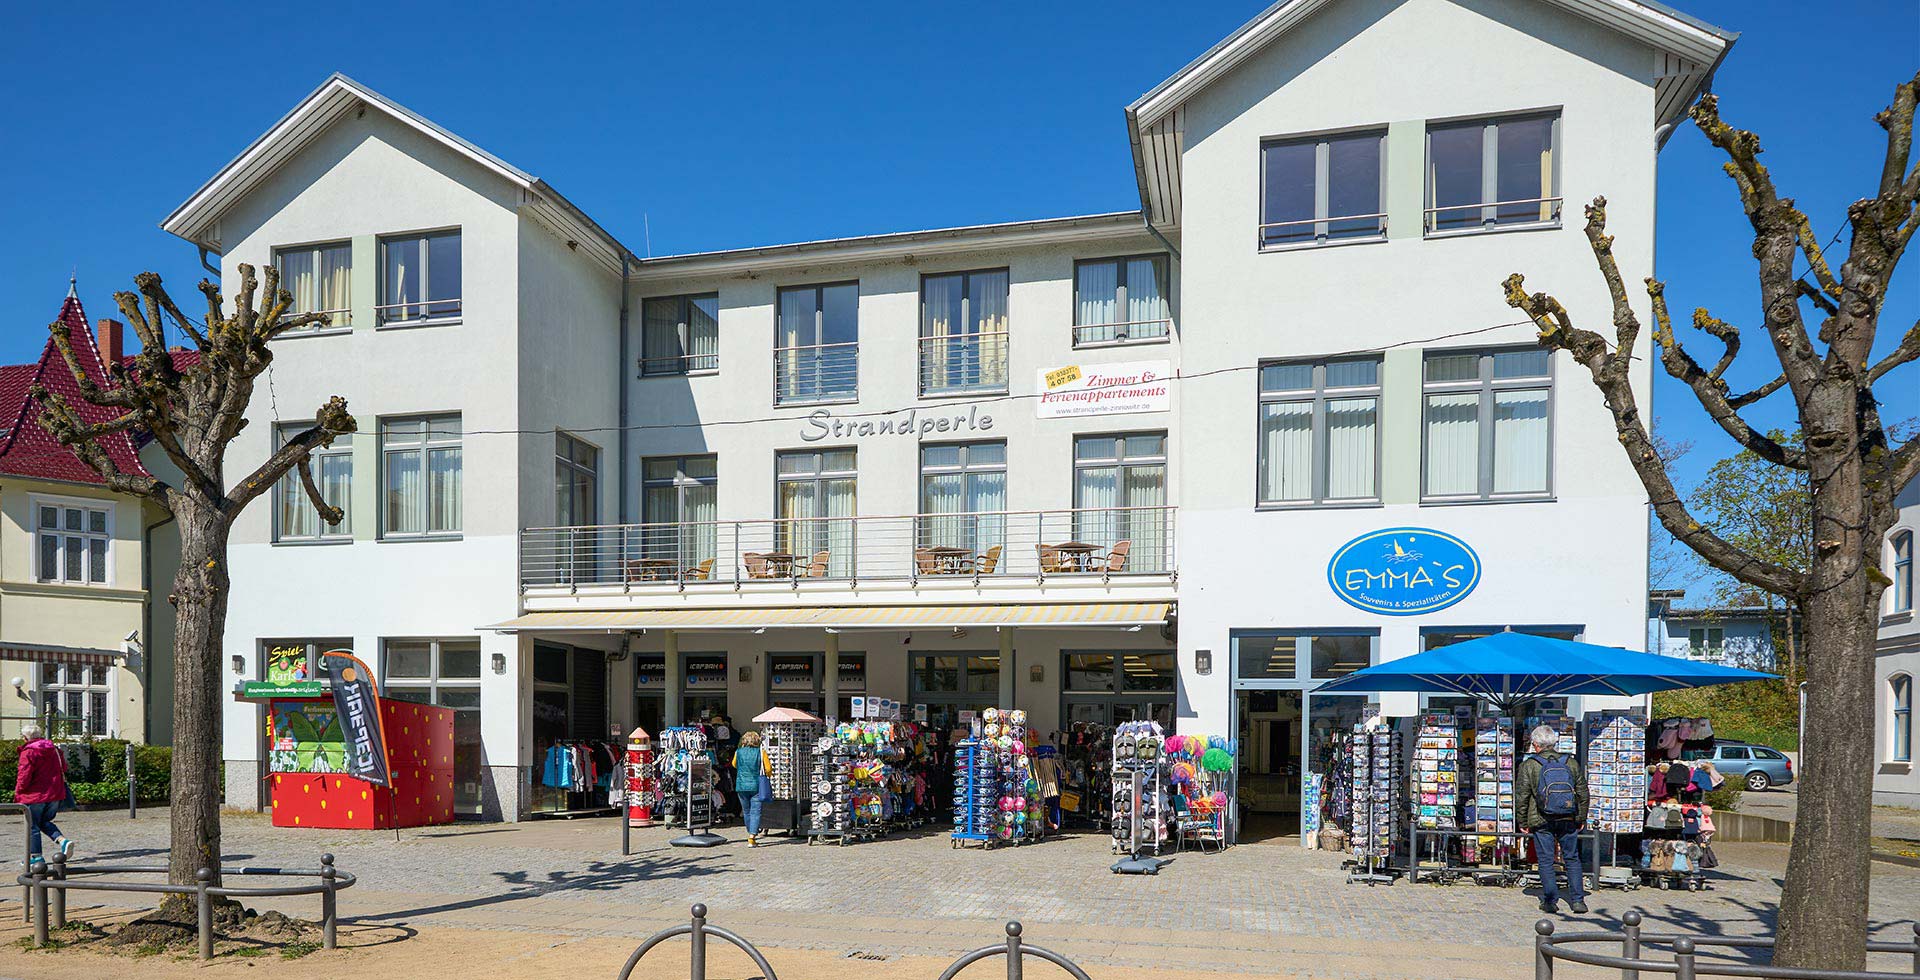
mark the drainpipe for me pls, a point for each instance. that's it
(210, 267)
(1155, 232)
(620, 481)
(146, 625)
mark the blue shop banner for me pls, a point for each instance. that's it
(1404, 571)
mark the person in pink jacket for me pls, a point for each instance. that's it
(41, 787)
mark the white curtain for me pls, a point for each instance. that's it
(443, 489)
(1453, 444)
(989, 303)
(1286, 451)
(333, 288)
(939, 322)
(703, 333)
(1350, 447)
(404, 489)
(1146, 293)
(1520, 441)
(1144, 486)
(334, 473)
(1095, 288)
(298, 276)
(798, 328)
(660, 336)
(698, 532)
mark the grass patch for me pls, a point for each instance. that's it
(249, 952)
(150, 949)
(294, 951)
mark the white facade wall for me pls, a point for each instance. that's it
(1896, 782)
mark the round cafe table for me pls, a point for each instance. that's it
(1077, 554)
(950, 560)
(779, 563)
(655, 569)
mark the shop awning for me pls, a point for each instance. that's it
(41, 653)
(1053, 614)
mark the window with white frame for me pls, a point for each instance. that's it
(1486, 173)
(963, 332)
(1901, 689)
(422, 480)
(1902, 589)
(1120, 495)
(680, 335)
(814, 493)
(76, 699)
(1706, 642)
(445, 673)
(1320, 431)
(1120, 300)
(1321, 189)
(295, 517)
(419, 278)
(1488, 418)
(963, 496)
(320, 279)
(73, 542)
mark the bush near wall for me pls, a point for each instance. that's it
(97, 771)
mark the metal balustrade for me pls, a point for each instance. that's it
(981, 547)
(1134, 331)
(1550, 949)
(1472, 217)
(963, 363)
(816, 373)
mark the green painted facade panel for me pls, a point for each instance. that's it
(1399, 426)
(366, 473)
(1406, 201)
(364, 281)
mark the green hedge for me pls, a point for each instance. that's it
(97, 770)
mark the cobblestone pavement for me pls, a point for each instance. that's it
(1271, 905)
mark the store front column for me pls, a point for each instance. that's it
(676, 679)
(1006, 667)
(830, 677)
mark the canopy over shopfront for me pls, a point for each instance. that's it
(1058, 614)
(1509, 670)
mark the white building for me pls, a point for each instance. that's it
(797, 473)
(1897, 663)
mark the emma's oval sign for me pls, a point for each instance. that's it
(1404, 571)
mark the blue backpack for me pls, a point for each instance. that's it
(1554, 792)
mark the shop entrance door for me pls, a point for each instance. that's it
(1269, 728)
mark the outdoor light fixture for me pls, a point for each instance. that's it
(239, 664)
(746, 673)
(1203, 662)
(499, 663)
(1038, 673)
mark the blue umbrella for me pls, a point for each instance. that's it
(1508, 669)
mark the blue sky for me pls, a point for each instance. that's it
(685, 127)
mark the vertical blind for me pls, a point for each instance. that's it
(1319, 430)
(320, 279)
(1488, 423)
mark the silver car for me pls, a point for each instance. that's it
(1755, 766)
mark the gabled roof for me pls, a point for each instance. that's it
(1689, 50)
(28, 449)
(197, 218)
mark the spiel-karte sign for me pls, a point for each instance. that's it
(1075, 390)
(290, 674)
(1403, 571)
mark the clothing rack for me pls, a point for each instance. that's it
(604, 766)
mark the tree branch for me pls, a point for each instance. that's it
(331, 420)
(1742, 401)
(1897, 120)
(80, 436)
(328, 512)
(1908, 350)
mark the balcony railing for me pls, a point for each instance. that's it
(1472, 217)
(963, 362)
(973, 547)
(1098, 334)
(816, 373)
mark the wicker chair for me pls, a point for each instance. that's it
(701, 572)
(1117, 556)
(756, 565)
(1050, 558)
(924, 563)
(817, 568)
(988, 562)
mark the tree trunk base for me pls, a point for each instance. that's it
(176, 924)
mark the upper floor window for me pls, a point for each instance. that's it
(816, 357)
(1319, 431)
(1902, 705)
(1119, 300)
(814, 490)
(679, 503)
(1320, 189)
(295, 517)
(963, 332)
(1485, 173)
(319, 277)
(1120, 498)
(963, 494)
(421, 456)
(576, 479)
(1706, 642)
(1903, 571)
(680, 334)
(74, 542)
(419, 278)
(1488, 418)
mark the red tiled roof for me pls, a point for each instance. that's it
(27, 448)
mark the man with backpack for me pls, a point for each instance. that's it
(1550, 801)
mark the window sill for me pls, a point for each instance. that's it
(1270, 507)
(1319, 243)
(965, 392)
(416, 538)
(644, 376)
(1895, 768)
(1494, 229)
(328, 332)
(1482, 501)
(446, 321)
(1122, 342)
(816, 402)
(1898, 618)
(338, 539)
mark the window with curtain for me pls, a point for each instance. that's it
(680, 335)
(319, 277)
(419, 278)
(816, 355)
(295, 517)
(1121, 300)
(576, 479)
(963, 490)
(421, 459)
(1488, 418)
(679, 505)
(1902, 705)
(963, 332)
(1319, 431)
(1322, 189)
(73, 542)
(1120, 494)
(80, 696)
(1903, 572)
(815, 495)
(1486, 173)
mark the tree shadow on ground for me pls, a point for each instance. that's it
(597, 876)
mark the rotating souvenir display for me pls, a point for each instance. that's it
(854, 783)
(788, 743)
(1139, 788)
(674, 752)
(1377, 765)
(1436, 772)
(996, 797)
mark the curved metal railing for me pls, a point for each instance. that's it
(698, 930)
(1549, 949)
(1016, 953)
(49, 882)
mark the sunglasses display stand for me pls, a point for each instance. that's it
(1139, 788)
(789, 750)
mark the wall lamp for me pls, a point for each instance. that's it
(239, 664)
(499, 663)
(1203, 662)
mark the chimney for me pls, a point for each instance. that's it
(111, 336)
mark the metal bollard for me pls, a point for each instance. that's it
(133, 787)
(1630, 946)
(329, 912)
(26, 848)
(57, 870)
(699, 939)
(39, 890)
(202, 881)
(1542, 943)
(1014, 968)
(1916, 949)
(1683, 959)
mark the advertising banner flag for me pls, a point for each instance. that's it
(356, 701)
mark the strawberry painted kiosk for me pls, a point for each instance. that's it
(309, 774)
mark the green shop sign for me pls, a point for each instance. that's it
(291, 673)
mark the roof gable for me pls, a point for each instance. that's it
(27, 448)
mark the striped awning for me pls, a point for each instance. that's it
(41, 653)
(1053, 614)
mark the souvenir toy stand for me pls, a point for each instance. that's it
(1616, 787)
(787, 738)
(996, 797)
(1201, 769)
(1139, 788)
(976, 793)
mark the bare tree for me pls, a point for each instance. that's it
(193, 415)
(1852, 469)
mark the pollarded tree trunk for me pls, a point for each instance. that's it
(199, 599)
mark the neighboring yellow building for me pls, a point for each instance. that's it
(83, 641)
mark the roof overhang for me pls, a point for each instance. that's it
(1689, 51)
(197, 219)
(1052, 614)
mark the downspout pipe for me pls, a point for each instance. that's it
(147, 649)
(620, 441)
(210, 267)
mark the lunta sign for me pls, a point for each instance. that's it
(358, 705)
(1403, 571)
